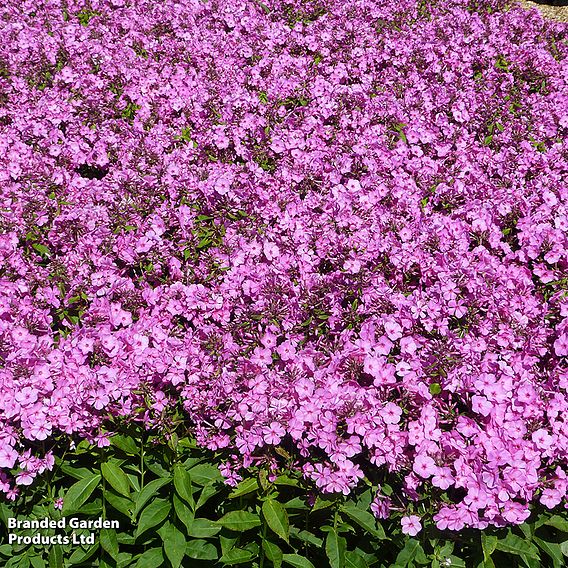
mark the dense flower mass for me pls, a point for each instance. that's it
(336, 231)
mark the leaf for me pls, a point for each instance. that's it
(206, 493)
(557, 522)
(182, 484)
(183, 512)
(150, 559)
(353, 560)
(323, 502)
(455, 562)
(239, 521)
(174, 545)
(116, 478)
(227, 543)
(201, 550)
(80, 556)
(149, 491)
(245, 487)
(335, 546)
(516, 545)
(297, 561)
(125, 443)
(488, 544)
(42, 249)
(202, 528)
(154, 514)
(76, 472)
(117, 502)
(56, 556)
(236, 556)
(277, 518)
(365, 520)
(306, 536)
(552, 549)
(273, 553)
(37, 562)
(109, 542)
(204, 473)
(78, 493)
(409, 552)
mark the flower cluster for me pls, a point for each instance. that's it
(337, 232)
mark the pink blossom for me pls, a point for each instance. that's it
(411, 525)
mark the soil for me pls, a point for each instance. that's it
(553, 9)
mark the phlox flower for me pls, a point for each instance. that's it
(411, 525)
(273, 433)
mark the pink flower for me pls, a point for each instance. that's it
(561, 345)
(8, 457)
(391, 413)
(286, 350)
(273, 433)
(424, 466)
(411, 525)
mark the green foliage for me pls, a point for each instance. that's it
(174, 511)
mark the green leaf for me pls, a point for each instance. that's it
(365, 520)
(273, 553)
(206, 493)
(286, 480)
(201, 550)
(182, 484)
(76, 472)
(306, 536)
(335, 546)
(245, 487)
(323, 502)
(117, 502)
(78, 493)
(353, 560)
(116, 478)
(149, 491)
(552, 549)
(80, 556)
(564, 548)
(56, 556)
(154, 514)
(488, 544)
(558, 522)
(174, 545)
(125, 443)
(37, 562)
(277, 518)
(204, 473)
(409, 552)
(42, 249)
(109, 542)
(516, 545)
(183, 512)
(202, 528)
(435, 388)
(239, 521)
(297, 561)
(236, 556)
(5, 550)
(150, 559)
(227, 543)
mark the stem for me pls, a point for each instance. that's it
(261, 558)
(141, 461)
(104, 482)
